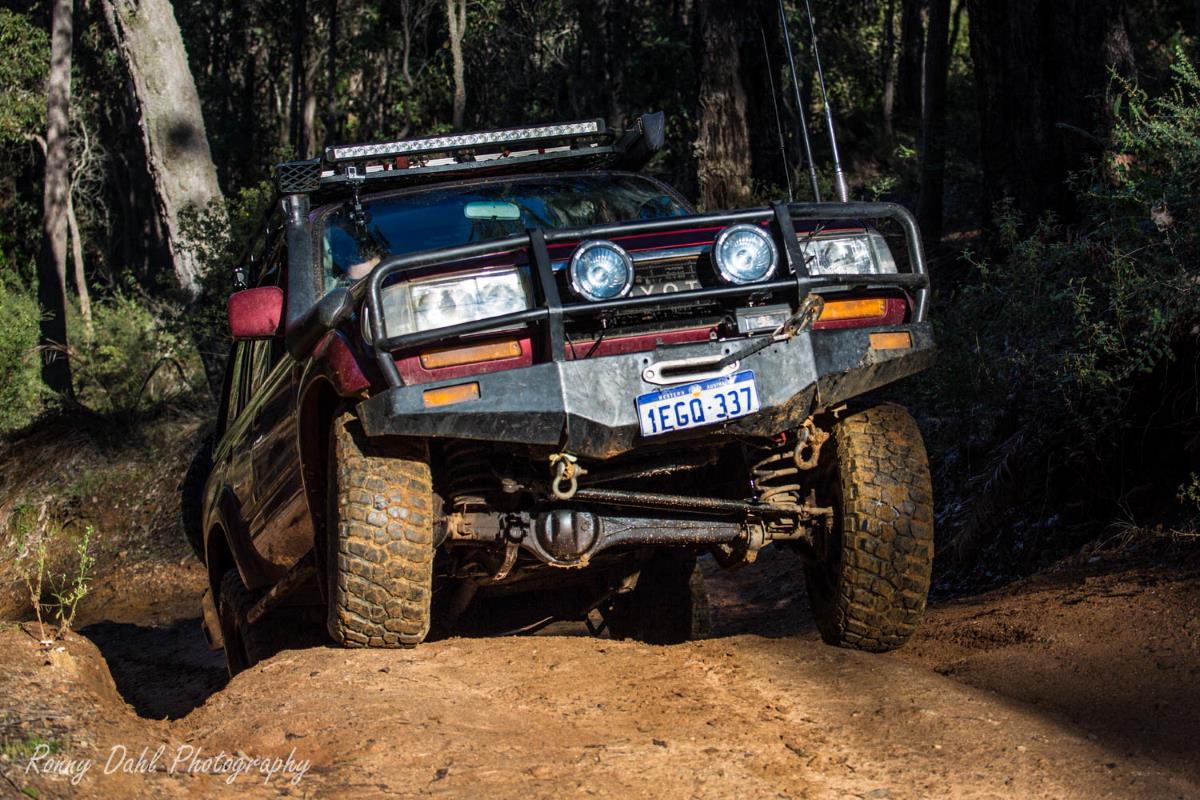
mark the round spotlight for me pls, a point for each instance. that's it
(600, 270)
(745, 254)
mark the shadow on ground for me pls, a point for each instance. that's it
(162, 671)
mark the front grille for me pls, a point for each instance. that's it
(663, 277)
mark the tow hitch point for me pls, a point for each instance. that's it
(565, 473)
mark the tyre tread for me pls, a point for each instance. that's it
(886, 566)
(382, 589)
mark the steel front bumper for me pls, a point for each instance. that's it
(586, 407)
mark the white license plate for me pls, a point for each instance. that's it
(694, 404)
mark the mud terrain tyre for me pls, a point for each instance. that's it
(379, 548)
(246, 644)
(669, 605)
(869, 586)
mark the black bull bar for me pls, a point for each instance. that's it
(534, 406)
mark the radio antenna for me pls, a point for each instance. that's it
(800, 115)
(839, 177)
(787, 168)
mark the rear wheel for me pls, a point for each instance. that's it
(379, 540)
(245, 643)
(869, 583)
(669, 604)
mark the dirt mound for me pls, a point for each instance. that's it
(61, 712)
(1114, 649)
(565, 715)
(1078, 684)
(744, 715)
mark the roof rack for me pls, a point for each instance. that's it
(588, 144)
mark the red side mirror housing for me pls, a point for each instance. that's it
(256, 313)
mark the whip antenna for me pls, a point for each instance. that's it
(803, 123)
(839, 177)
(787, 168)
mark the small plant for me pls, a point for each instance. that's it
(1189, 492)
(35, 536)
(21, 749)
(31, 558)
(883, 187)
(72, 588)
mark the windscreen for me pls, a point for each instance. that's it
(355, 241)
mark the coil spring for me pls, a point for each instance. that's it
(469, 474)
(775, 477)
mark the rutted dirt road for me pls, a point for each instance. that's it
(1082, 684)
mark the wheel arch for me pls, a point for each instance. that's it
(319, 404)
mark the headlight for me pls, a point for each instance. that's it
(431, 303)
(745, 254)
(858, 254)
(600, 271)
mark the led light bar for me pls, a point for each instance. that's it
(437, 144)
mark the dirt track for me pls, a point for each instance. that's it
(1079, 685)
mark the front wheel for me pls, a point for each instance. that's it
(869, 582)
(379, 539)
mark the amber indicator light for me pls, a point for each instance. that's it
(853, 309)
(471, 354)
(449, 395)
(896, 340)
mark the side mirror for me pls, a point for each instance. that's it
(256, 313)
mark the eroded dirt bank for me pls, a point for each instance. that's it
(1079, 684)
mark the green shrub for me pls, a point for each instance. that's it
(24, 59)
(21, 389)
(1065, 394)
(219, 237)
(135, 358)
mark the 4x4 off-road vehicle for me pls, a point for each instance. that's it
(502, 378)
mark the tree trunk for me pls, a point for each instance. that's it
(299, 87)
(912, 60)
(1041, 69)
(618, 21)
(56, 194)
(85, 298)
(456, 16)
(763, 67)
(177, 151)
(933, 126)
(331, 119)
(721, 152)
(887, 63)
(956, 25)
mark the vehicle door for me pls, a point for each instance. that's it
(232, 455)
(280, 523)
